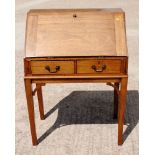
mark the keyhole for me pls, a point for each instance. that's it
(74, 15)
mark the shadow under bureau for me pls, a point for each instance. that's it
(76, 46)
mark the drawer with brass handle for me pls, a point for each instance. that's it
(99, 66)
(52, 67)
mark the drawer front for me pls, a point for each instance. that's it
(52, 67)
(99, 66)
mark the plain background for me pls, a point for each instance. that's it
(147, 62)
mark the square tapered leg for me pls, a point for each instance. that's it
(30, 106)
(40, 101)
(121, 109)
(116, 100)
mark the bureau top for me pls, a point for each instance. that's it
(75, 32)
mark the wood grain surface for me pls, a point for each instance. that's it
(76, 32)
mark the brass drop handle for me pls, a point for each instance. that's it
(98, 70)
(57, 68)
(74, 15)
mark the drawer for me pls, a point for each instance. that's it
(52, 67)
(99, 66)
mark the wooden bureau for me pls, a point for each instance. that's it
(76, 45)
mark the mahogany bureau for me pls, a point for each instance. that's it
(76, 46)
